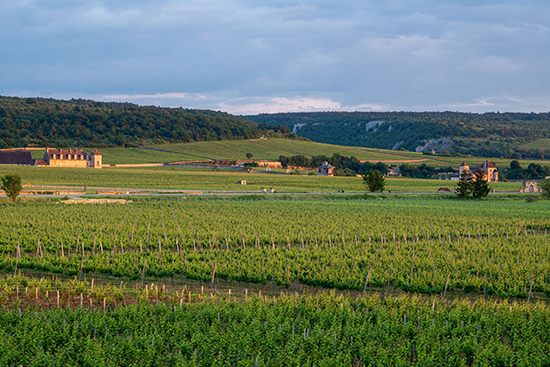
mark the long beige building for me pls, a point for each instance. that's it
(70, 158)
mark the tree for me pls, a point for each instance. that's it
(11, 184)
(249, 155)
(480, 187)
(374, 180)
(464, 186)
(545, 187)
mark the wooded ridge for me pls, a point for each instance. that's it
(85, 123)
(491, 134)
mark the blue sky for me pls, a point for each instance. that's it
(248, 57)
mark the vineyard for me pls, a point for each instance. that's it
(423, 246)
(266, 281)
(321, 330)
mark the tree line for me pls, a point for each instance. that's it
(344, 166)
(87, 123)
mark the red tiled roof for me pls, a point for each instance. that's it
(66, 152)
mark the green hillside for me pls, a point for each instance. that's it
(271, 149)
(498, 135)
(27, 122)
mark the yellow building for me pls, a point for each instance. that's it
(71, 158)
(488, 168)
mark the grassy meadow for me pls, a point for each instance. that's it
(271, 149)
(184, 178)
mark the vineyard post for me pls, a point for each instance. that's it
(530, 289)
(446, 284)
(143, 271)
(388, 291)
(81, 266)
(213, 275)
(412, 263)
(484, 286)
(160, 254)
(366, 281)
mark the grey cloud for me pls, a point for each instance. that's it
(397, 54)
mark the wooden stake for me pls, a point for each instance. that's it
(446, 284)
(366, 281)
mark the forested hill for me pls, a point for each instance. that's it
(506, 135)
(81, 123)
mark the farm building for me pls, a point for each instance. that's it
(325, 170)
(71, 158)
(16, 157)
(488, 168)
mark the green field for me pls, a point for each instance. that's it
(167, 329)
(542, 144)
(290, 280)
(413, 244)
(184, 178)
(271, 149)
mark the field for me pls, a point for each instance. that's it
(174, 329)
(542, 144)
(409, 277)
(271, 149)
(185, 178)
(416, 245)
(266, 280)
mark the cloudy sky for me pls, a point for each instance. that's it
(253, 56)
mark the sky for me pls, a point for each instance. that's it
(249, 57)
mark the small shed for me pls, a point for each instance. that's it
(530, 187)
(325, 170)
(241, 182)
(444, 189)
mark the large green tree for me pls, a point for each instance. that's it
(480, 187)
(11, 184)
(545, 187)
(374, 180)
(464, 185)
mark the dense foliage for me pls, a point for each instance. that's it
(320, 330)
(11, 184)
(533, 171)
(80, 123)
(345, 166)
(374, 181)
(423, 171)
(485, 135)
